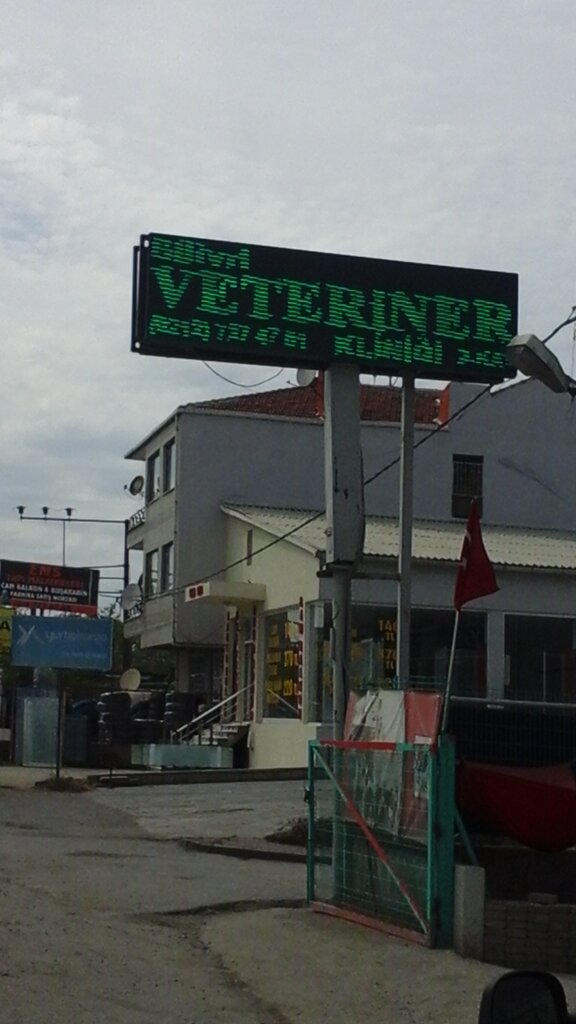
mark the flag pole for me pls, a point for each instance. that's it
(447, 692)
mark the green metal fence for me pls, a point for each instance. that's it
(381, 835)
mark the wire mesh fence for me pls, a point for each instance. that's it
(513, 732)
(372, 850)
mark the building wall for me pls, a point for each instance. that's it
(524, 432)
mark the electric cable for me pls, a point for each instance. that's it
(237, 383)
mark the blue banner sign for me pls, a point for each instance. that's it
(66, 642)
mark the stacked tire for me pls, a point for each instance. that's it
(147, 722)
(179, 709)
(114, 723)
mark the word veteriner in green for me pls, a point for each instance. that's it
(334, 306)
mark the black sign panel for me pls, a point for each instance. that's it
(200, 299)
(55, 587)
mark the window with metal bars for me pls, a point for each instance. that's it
(466, 484)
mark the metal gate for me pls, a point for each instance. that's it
(381, 835)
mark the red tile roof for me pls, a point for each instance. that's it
(378, 403)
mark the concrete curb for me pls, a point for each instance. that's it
(260, 851)
(201, 776)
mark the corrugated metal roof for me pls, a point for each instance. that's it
(432, 540)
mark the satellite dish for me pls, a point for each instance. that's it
(130, 679)
(305, 377)
(130, 597)
(136, 486)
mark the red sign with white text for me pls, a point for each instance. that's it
(60, 588)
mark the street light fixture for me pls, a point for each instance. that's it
(68, 519)
(529, 355)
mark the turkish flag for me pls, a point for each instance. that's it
(475, 574)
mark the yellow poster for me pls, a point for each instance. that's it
(6, 629)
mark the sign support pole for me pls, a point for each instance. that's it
(344, 516)
(345, 524)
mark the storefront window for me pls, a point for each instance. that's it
(373, 652)
(282, 665)
(540, 658)
(431, 640)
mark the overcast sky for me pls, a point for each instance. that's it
(402, 129)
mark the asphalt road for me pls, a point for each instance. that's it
(222, 810)
(102, 922)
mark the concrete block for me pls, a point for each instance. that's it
(469, 900)
(544, 898)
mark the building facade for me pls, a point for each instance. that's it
(232, 537)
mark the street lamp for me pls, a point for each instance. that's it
(45, 517)
(529, 355)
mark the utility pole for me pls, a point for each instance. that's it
(345, 520)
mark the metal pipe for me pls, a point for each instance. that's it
(340, 648)
(405, 533)
(490, 702)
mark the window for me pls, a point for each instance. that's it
(169, 473)
(249, 546)
(466, 484)
(153, 476)
(167, 567)
(151, 574)
(282, 665)
(373, 653)
(540, 655)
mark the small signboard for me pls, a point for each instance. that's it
(195, 298)
(67, 642)
(60, 588)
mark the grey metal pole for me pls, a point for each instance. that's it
(340, 649)
(126, 643)
(404, 606)
(345, 521)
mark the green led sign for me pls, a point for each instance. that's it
(200, 299)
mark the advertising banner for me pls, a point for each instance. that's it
(67, 642)
(62, 588)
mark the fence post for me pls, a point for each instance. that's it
(310, 865)
(432, 850)
(443, 838)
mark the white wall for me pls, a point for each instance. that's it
(287, 571)
(275, 743)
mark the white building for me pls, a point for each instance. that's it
(234, 500)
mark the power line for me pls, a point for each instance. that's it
(237, 383)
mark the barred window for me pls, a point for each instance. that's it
(466, 484)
